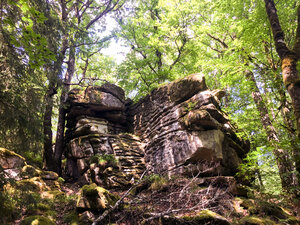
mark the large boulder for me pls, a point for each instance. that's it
(96, 100)
(96, 121)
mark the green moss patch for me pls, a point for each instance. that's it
(35, 184)
(253, 220)
(71, 218)
(107, 160)
(37, 220)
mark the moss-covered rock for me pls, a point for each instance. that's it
(10, 159)
(270, 209)
(183, 89)
(49, 175)
(207, 216)
(29, 171)
(95, 198)
(52, 194)
(253, 220)
(35, 184)
(203, 217)
(37, 220)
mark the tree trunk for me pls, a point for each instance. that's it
(291, 80)
(54, 72)
(288, 57)
(59, 145)
(286, 113)
(282, 156)
(289, 60)
(47, 124)
(290, 76)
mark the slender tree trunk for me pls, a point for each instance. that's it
(59, 145)
(261, 183)
(282, 157)
(54, 72)
(290, 127)
(48, 150)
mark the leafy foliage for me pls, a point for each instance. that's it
(26, 49)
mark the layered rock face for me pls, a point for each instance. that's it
(182, 124)
(179, 127)
(95, 130)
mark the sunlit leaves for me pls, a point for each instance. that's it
(23, 34)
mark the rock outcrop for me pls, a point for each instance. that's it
(182, 123)
(179, 127)
(96, 125)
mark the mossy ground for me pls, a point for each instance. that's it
(37, 220)
(33, 199)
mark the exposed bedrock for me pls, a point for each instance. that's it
(179, 127)
(182, 124)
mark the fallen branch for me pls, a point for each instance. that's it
(107, 212)
(166, 213)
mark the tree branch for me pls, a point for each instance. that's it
(104, 12)
(96, 42)
(184, 41)
(278, 34)
(218, 40)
